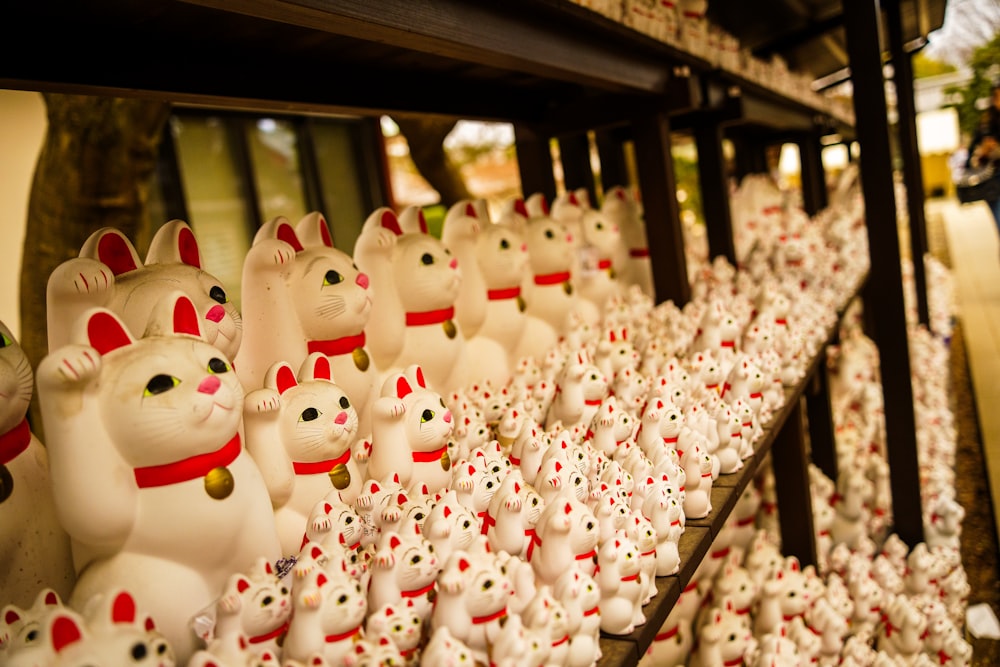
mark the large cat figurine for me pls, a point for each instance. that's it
(34, 548)
(150, 477)
(302, 295)
(410, 430)
(109, 274)
(636, 268)
(301, 432)
(415, 280)
(256, 604)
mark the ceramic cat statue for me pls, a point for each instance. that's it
(404, 568)
(162, 500)
(301, 295)
(257, 605)
(328, 618)
(580, 596)
(580, 389)
(415, 280)
(20, 636)
(598, 281)
(567, 531)
(402, 624)
(472, 600)
(301, 431)
(410, 431)
(550, 294)
(619, 577)
(445, 650)
(109, 274)
(621, 209)
(459, 233)
(34, 548)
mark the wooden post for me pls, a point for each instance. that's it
(577, 173)
(791, 486)
(534, 160)
(714, 190)
(884, 290)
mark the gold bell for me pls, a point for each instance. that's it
(449, 328)
(521, 305)
(446, 461)
(340, 476)
(219, 483)
(360, 359)
(6, 483)
(568, 288)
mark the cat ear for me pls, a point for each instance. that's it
(174, 242)
(394, 542)
(402, 387)
(123, 608)
(104, 332)
(111, 247)
(242, 583)
(10, 615)
(148, 624)
(313, 231)
(391, 222)
(280, 377)
(64, 630)
(420, 377)
(316, 367)
(463, 564)
(284, 231)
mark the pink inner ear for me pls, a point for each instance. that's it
(287, 234)
(242, 584)
(545, 205)
(470, 210)
(64, 632)
(420, 378)
(149, 624)
(521, 208)
(285, 379)
(423, 221)
(321, 579)
(51, 598)
(391, 222)
(321, 369)
(463, 564)
(123, 609)
(402, 388)
(106, 333)
(187, 248)
(394, 542)
(324, 232)
(11, 617)
(113, 250)
(186, 317)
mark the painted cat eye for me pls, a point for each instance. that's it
(342, 599)
(504, 244)
(427, 258)
(549, 234)
(217, 365)
(160, 383)
(309, 414)
(218, 294)
(5, 341)
(332, 278)
(344, 403)
(138, 652)
(426, 416)
(266, 601)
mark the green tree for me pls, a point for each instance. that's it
(970, 100)
(924, 66)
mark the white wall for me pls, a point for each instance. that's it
(22, 128)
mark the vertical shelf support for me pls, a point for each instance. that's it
(814, 194)
(791, 485)
(913, 176)
(822, 442)
(577, 173)
(659, 200)
(714, 190)
(614, 167)
(534, 160)
(884, 290)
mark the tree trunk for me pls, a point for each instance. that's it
(94, 170)
(425, 136)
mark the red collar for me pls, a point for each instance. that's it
(559, 642)
(273, 634)
(187, 469)
(670, 439)
(535, 539)
(631, 577)
(669, 634)
(593, 401)
(514, 460)
(330, 639)
(479, 620)
(604, 264)
(691, 586)
(756, 395)
(430, 317)
(420, 591)
(721, 553)
(500, 294)
(316, 467)
(638, 252)
(14, 441)
(651, 552)
(746, 521)
(589, 554)
(734, 662)
(488, 521)
(591, 612)
(728, 343)
(337, 346)
(552, 278)
(427, 457)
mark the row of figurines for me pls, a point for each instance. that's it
(152, 486)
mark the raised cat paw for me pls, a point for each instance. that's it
(81, 276)
(513, 504)
(271, 254)
(264, 400)
(77, 364)
(230, 603)
(321, 524)
(387, 406)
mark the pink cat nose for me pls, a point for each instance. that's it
(362, 280)
(340, 419)
(210, 385)
(453, 263)
(569, 238)
(215, 314)
(524, 247)
(447, 417)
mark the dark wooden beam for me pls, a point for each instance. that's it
(814, 192)
(714, 191)
(791, 486)
(661, 212)
(884, 290)
(614, 166)
(534, 160)
(574, 152)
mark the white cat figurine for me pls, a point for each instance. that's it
(328, 617)
(163, 500)
(34, 547)
(301, 431)
(301, 295)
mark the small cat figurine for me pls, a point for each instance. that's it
(256, 604)
(334, 522)
(34, 548)
(162, 501)
(416, 282)
(472, 600)
(329, 612)
(302, 295)
(21, 629)
(402, 624)
(445, 650)
(301, 431)
(410, 430)
(405, 567)
(109, 274)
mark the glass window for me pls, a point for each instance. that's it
(277, 170)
